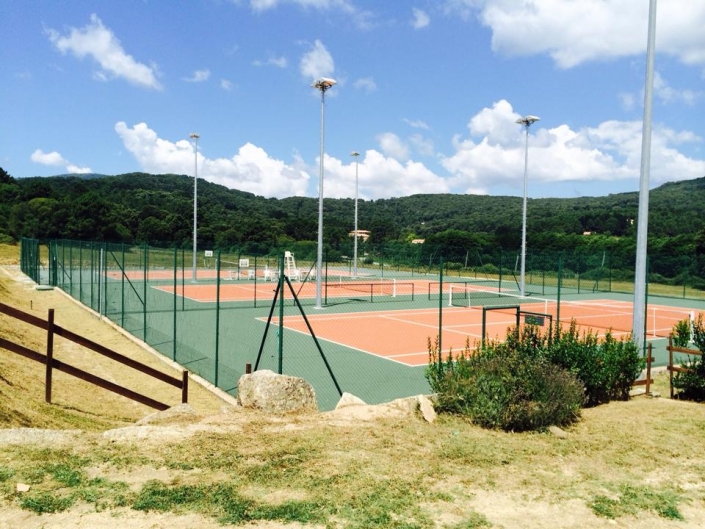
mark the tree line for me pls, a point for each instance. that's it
(140, 208)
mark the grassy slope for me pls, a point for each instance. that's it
(631, 464)
(76, 404)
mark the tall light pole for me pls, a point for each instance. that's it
(355, 155)
(526, 121)
(322, 84)
(195, 138)
(639, 318)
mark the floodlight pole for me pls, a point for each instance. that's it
(322, 84)
(639, 309)
(526, 121)
(355, 155)
(195, 138)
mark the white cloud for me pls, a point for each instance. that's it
(199, 76)
(251, 169)
(393, 146)
(48, 158)
(317, 62)
(98, 42)
(279, 62)
(423, 146)
(380, 177)
(421, 19)
(365, 83)
(573, 32)
(54, 159)
(610, 151)
(264, 5)
(75, 169)
(668, 94)
(416, 124)
(363, 19)
(226, 85)
(627, 100)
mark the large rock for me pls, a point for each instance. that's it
(268, 391)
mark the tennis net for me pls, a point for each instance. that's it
(461, 295)
(386, 289)
(589, 314)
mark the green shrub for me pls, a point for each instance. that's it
(533, 379)
(607, 368)
(681, 333)
(691, 383)
(502, 387)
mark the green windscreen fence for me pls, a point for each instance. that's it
(368, 333)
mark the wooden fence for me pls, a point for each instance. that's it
(677, 369)
(648, 380)
(52, 363)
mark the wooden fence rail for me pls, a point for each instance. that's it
(52, 363)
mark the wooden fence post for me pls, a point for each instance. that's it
(50, 355)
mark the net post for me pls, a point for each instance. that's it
(394, 287)
(692, 326)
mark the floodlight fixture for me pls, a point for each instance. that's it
(355, 155)
(323, 84)
(527, 121)
(195, 138)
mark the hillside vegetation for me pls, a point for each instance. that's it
(158, 210)
(626, 464)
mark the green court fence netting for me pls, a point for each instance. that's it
(368, 334)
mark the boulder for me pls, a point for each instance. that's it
(426, 408)
(270, 392)
(348, 399)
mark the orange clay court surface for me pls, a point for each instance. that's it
(402, 335)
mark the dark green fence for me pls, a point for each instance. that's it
(214, 322)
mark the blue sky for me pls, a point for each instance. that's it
(428, 92)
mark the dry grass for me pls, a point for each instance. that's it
(636, 464)
(9, 254)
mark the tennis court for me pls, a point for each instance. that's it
(402, 335)
(373, 329)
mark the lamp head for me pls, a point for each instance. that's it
(324, 83)
(194, 136)
(355, 154)
(528, 120)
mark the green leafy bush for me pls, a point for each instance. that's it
(691, 383)
(681, 333)
(607, 368)
(502, 387)
(533, 379)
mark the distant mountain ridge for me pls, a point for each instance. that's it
(158, 210)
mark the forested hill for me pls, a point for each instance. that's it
(158, 210)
